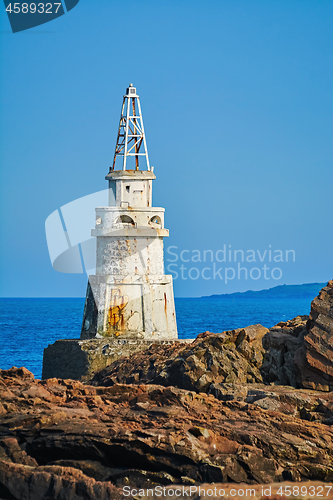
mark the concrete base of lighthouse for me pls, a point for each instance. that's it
(78, 359)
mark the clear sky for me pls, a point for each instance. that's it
(237, 105)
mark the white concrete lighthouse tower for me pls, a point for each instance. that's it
(130, 297)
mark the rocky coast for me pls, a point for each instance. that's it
(250, 406)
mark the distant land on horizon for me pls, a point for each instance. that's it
(307, 290)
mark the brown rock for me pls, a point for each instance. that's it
(90, 441)
(314, 359)
(51, 482)
(230, 357)
(281, 344)
(10, 451)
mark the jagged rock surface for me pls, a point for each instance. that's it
(87, 442)
(280, 345)
(314, 359)
(299, 352)
(230, 357)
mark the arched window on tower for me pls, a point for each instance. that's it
(124, 220)
(155, 222)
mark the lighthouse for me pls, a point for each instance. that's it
(129, 302)
(129, 296)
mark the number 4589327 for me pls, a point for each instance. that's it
(312, 490)
(32, 8)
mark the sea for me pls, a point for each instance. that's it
(29, 325)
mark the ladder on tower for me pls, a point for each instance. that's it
(131, 139)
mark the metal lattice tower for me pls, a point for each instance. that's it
(131, 140)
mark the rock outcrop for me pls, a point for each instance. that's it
(88, 442)
(280, 345)
(299, 352)
(79, 359)
(230, 357)
(314, 359)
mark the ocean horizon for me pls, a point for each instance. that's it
(28, 325)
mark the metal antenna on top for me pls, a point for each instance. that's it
(131, 140)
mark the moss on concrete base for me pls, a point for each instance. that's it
(79, 359)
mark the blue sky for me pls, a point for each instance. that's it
(237, 104)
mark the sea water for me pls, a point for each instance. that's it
(28, 325)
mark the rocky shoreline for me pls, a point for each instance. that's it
(249, 406)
